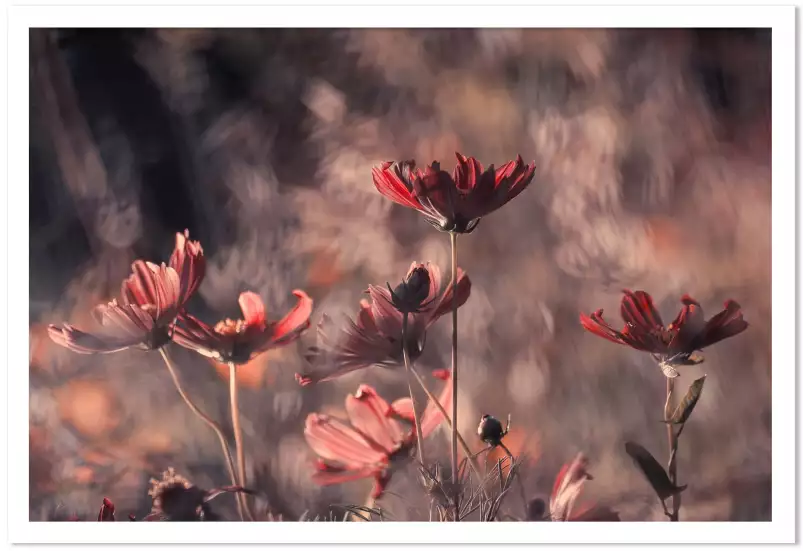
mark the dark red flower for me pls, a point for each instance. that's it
(239, 341)
(152, 297)
(453, 202)
(568, 485)
(673, 345)
(106, 513)
(375, 444)
(375, 337)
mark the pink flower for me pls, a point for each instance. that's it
(241, 340)
(152, 297)
(375, 444)
(568, 486)
(453, 202)
(375, 337)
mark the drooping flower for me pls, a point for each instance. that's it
(672, 345)
(239, 341)
(567, 488)
(176, 499)
(453, 202)
(151, 298)
(375, 337)
(376, 442)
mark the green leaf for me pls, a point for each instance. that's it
(655, 473)
(686, 406)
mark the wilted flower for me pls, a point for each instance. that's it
(241, 340)
(568, 485)
(453, 202)
(375, 443)
(152, 297)
(176, 499)
(375, 337)
(672, 345)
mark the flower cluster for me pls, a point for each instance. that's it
(389, 330)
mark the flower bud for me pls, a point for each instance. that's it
(410, 295)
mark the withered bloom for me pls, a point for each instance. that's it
(239, 341)
(567, 488)
(152, 297)
(453, 202)
(176, 499)
(673, 345)
(375, 444)
(375, 337)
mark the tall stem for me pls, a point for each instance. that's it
(673, 442)
(238, 431)
(455, 474)
(418, 432)
(209, 422)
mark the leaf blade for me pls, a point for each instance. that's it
(653, 471)
(686, 406)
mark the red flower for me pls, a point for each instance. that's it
(375, 444)
(106, 513)
(241, 340)
(152, 297)
(567, 488)
(375, 337)
(453, 202)
(672, 345)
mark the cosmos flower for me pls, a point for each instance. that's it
(375, 337)
(241, 340)
(152, 296)
(567, 488)
(453, 202)
(376, 442)
(673, 345)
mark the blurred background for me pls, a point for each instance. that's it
(653, 156)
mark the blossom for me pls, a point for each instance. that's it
(567, 488)
(375, 443)
(151, 299)
(239, 341)
(375, 337)
(453, 202)
(106, 513)
(672, 345)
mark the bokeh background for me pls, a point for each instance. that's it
(653, 155)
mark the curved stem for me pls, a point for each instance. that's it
(238, 432)
(455, 474)
(419, 434)
(209, 422)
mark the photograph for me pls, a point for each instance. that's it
(382, 275)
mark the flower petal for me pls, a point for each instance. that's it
(727, 323)
(189, 263)
(334, 440)
(445, 303)
(289, 328)
(87, 343)
(253, 309)
(568, 485)
(394, 181)
(368, 413)
(432, 416)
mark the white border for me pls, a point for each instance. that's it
(782, 21)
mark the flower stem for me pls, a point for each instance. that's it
(455, 474)
(418, 431)
(238, 432)
(208, 420)
(673, 442)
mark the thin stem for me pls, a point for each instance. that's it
(238, 432)
(418, 432)
(471, 456)
(210, 423)
(672, 440)
(455, 480)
